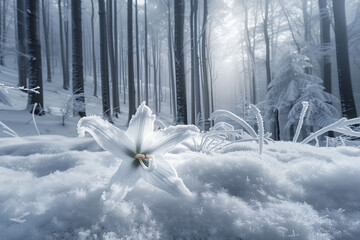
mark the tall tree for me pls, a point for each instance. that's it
(131, 85)
(171, 62)
(46, 38)
(93, 48)
(105, 90)
(64, 62)
(325, 44)
(34, 52)
(77, 66)
(205, 82)
(114, 80)
(137, 52)
(267, 43)
(146, 57)
(181, 108)
(21, 42)
(343, 64)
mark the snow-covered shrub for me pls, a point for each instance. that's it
(291, 86)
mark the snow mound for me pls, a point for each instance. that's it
(55, 187)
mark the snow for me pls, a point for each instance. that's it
(57, 191)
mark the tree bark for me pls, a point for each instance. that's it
(77, 66)
(21, 43)
(205, 88)
(46, 38)
(93, 48)
(146, 64)
(131, 85)
(62, 46)
(325, 44)
(34, 52)
(267, 43)
(105, 89)
(181, 108)
(137, 52)
(342, 55)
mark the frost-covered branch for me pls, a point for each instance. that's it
(340, 126)
(260, 123)
(232, 116)
(301, 120)
(34, 90)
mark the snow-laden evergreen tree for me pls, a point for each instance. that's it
(291, 86)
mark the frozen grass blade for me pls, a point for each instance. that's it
(8, 130)
(260, 123)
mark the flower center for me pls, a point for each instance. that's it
(144, 160)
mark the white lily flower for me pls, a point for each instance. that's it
(140, 149)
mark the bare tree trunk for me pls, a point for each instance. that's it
(267, 43)
(325, 44)
(137, 52)
(193, 115)
(114, 80)
(146, 59)
(21, 43)
(154, 41)
(171, 63)
(206, 99)
(93, 48)
(67, 45)
(105, 89)
(342, 55)
(46, 37)
(77, 66)
(179, 8)
(63, 55)
(131, 93)
(34, 51)
(196, 63)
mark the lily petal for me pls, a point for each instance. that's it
(165, 139)
(107, 136)
(125, 178)
(141, 125)
(164, 176)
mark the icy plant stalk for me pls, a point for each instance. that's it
(301, 120)
(340, 126)
(33, 117)
(260, 123)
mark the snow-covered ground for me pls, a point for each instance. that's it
(54, 186)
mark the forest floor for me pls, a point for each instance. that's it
(52, 185)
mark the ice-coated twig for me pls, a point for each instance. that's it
(34, 90)
(305, 107)
(8, 130)
(260, 123)
(33, 117)
(340, 126)
(232, 116)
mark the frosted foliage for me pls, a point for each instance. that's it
(52, 188)
(292, 86)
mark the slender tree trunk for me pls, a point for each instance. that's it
(34, 52)
(193, 115)
(137, 52)
(196, 63)
(116, 52)
(146, 58)
(171, 63)
(131, 93)
(21, 43)
(181, 109)
(67, 45)
(77, 66)
(325, 44)
(267, 43)
(206, 99)
(154, 41)
(105, 89)
(93, 48)
(342, 55)
(46, 37)
(62, 49)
